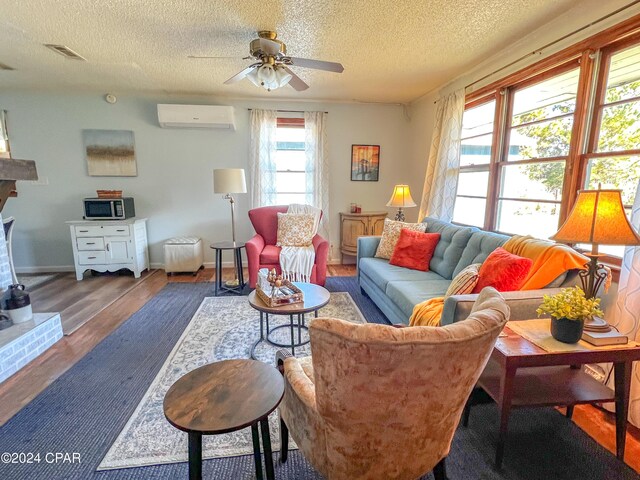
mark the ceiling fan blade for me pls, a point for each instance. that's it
(208, 57)
(269, 46)
(296, 82)
(239, 76)
(316, 64)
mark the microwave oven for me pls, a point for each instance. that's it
(109, 208)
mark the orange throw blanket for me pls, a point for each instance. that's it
(427, 313)
(550, 259)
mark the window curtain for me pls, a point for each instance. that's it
(6, 274)
(317, 166)
(443, 166)
(263, 157)
(626, 313)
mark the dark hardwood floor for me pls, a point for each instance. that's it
(124, 296)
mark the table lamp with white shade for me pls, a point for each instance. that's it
(401, 198)
(228, 181)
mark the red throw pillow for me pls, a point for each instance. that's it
(414, 249)
(503, 271)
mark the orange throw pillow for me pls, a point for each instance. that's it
(414, 249)
(503, 271)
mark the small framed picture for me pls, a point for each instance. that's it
(365, 163)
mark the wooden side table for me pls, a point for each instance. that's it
(354, 225)
(218, 248)
(511, 382)
(223, 397)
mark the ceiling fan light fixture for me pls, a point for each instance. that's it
(269, 77)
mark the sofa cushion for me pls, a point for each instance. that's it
(414, 250)
(270, 255)
(407, 294)
(381, 273)
(503, 271)
(391, 234)
(453, 240)
(480, 245)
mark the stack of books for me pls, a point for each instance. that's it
(599, 333)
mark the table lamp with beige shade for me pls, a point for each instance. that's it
(597, 218)
(401, 198)
(229, 181)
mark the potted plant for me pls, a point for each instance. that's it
(568, 309)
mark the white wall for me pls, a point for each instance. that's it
(174, 183)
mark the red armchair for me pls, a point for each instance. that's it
(263, 253)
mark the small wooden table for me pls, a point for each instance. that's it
(218, 248)
(315, 297)
(521, 374)
(223, 397)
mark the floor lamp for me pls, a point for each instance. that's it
(228, 181)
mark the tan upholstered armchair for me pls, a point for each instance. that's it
(377, 402)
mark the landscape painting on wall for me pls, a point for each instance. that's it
(365, 163)
(110, 153)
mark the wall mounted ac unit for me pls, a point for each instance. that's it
(196, 116)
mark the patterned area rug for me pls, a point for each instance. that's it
(222, 328)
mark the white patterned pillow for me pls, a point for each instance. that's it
(391, 233)
(295, 229)
(465, 281)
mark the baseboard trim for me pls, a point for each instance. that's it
(46, 269)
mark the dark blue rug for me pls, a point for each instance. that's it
(85, 409)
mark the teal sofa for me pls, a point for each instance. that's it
(396, 290)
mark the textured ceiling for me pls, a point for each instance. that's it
(392, 50)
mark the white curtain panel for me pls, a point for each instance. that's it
(263, 157)
(626, 313)
(6, 276)
(441, 180)
(317, 166)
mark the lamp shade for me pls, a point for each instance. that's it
(598, 217)
(229, 180)
(401, 197)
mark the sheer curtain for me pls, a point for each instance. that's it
(626, 312)
(263, 157)
(441, 180)
(317, 166)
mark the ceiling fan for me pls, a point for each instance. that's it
(271, 70)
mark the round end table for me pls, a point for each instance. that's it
(223, 397)
(315, 297)
(218, 248)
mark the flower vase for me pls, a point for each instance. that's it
(566, 330)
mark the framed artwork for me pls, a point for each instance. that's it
(5, 151)
(110, 153)
(365, 163)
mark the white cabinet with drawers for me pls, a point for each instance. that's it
(109, 245)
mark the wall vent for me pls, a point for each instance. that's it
(65, 51)
(4, 66)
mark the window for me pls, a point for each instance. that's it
(533, 164)
(613, 157)
(4, 138)
(291, 181)
(475, 155)
(531, 140)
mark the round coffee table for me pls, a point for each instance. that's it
(223, 397)
(315, 297)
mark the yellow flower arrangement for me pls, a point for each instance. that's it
(570, 303)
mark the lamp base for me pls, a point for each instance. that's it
(596, 324)
(400, 215)
(593, 277)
